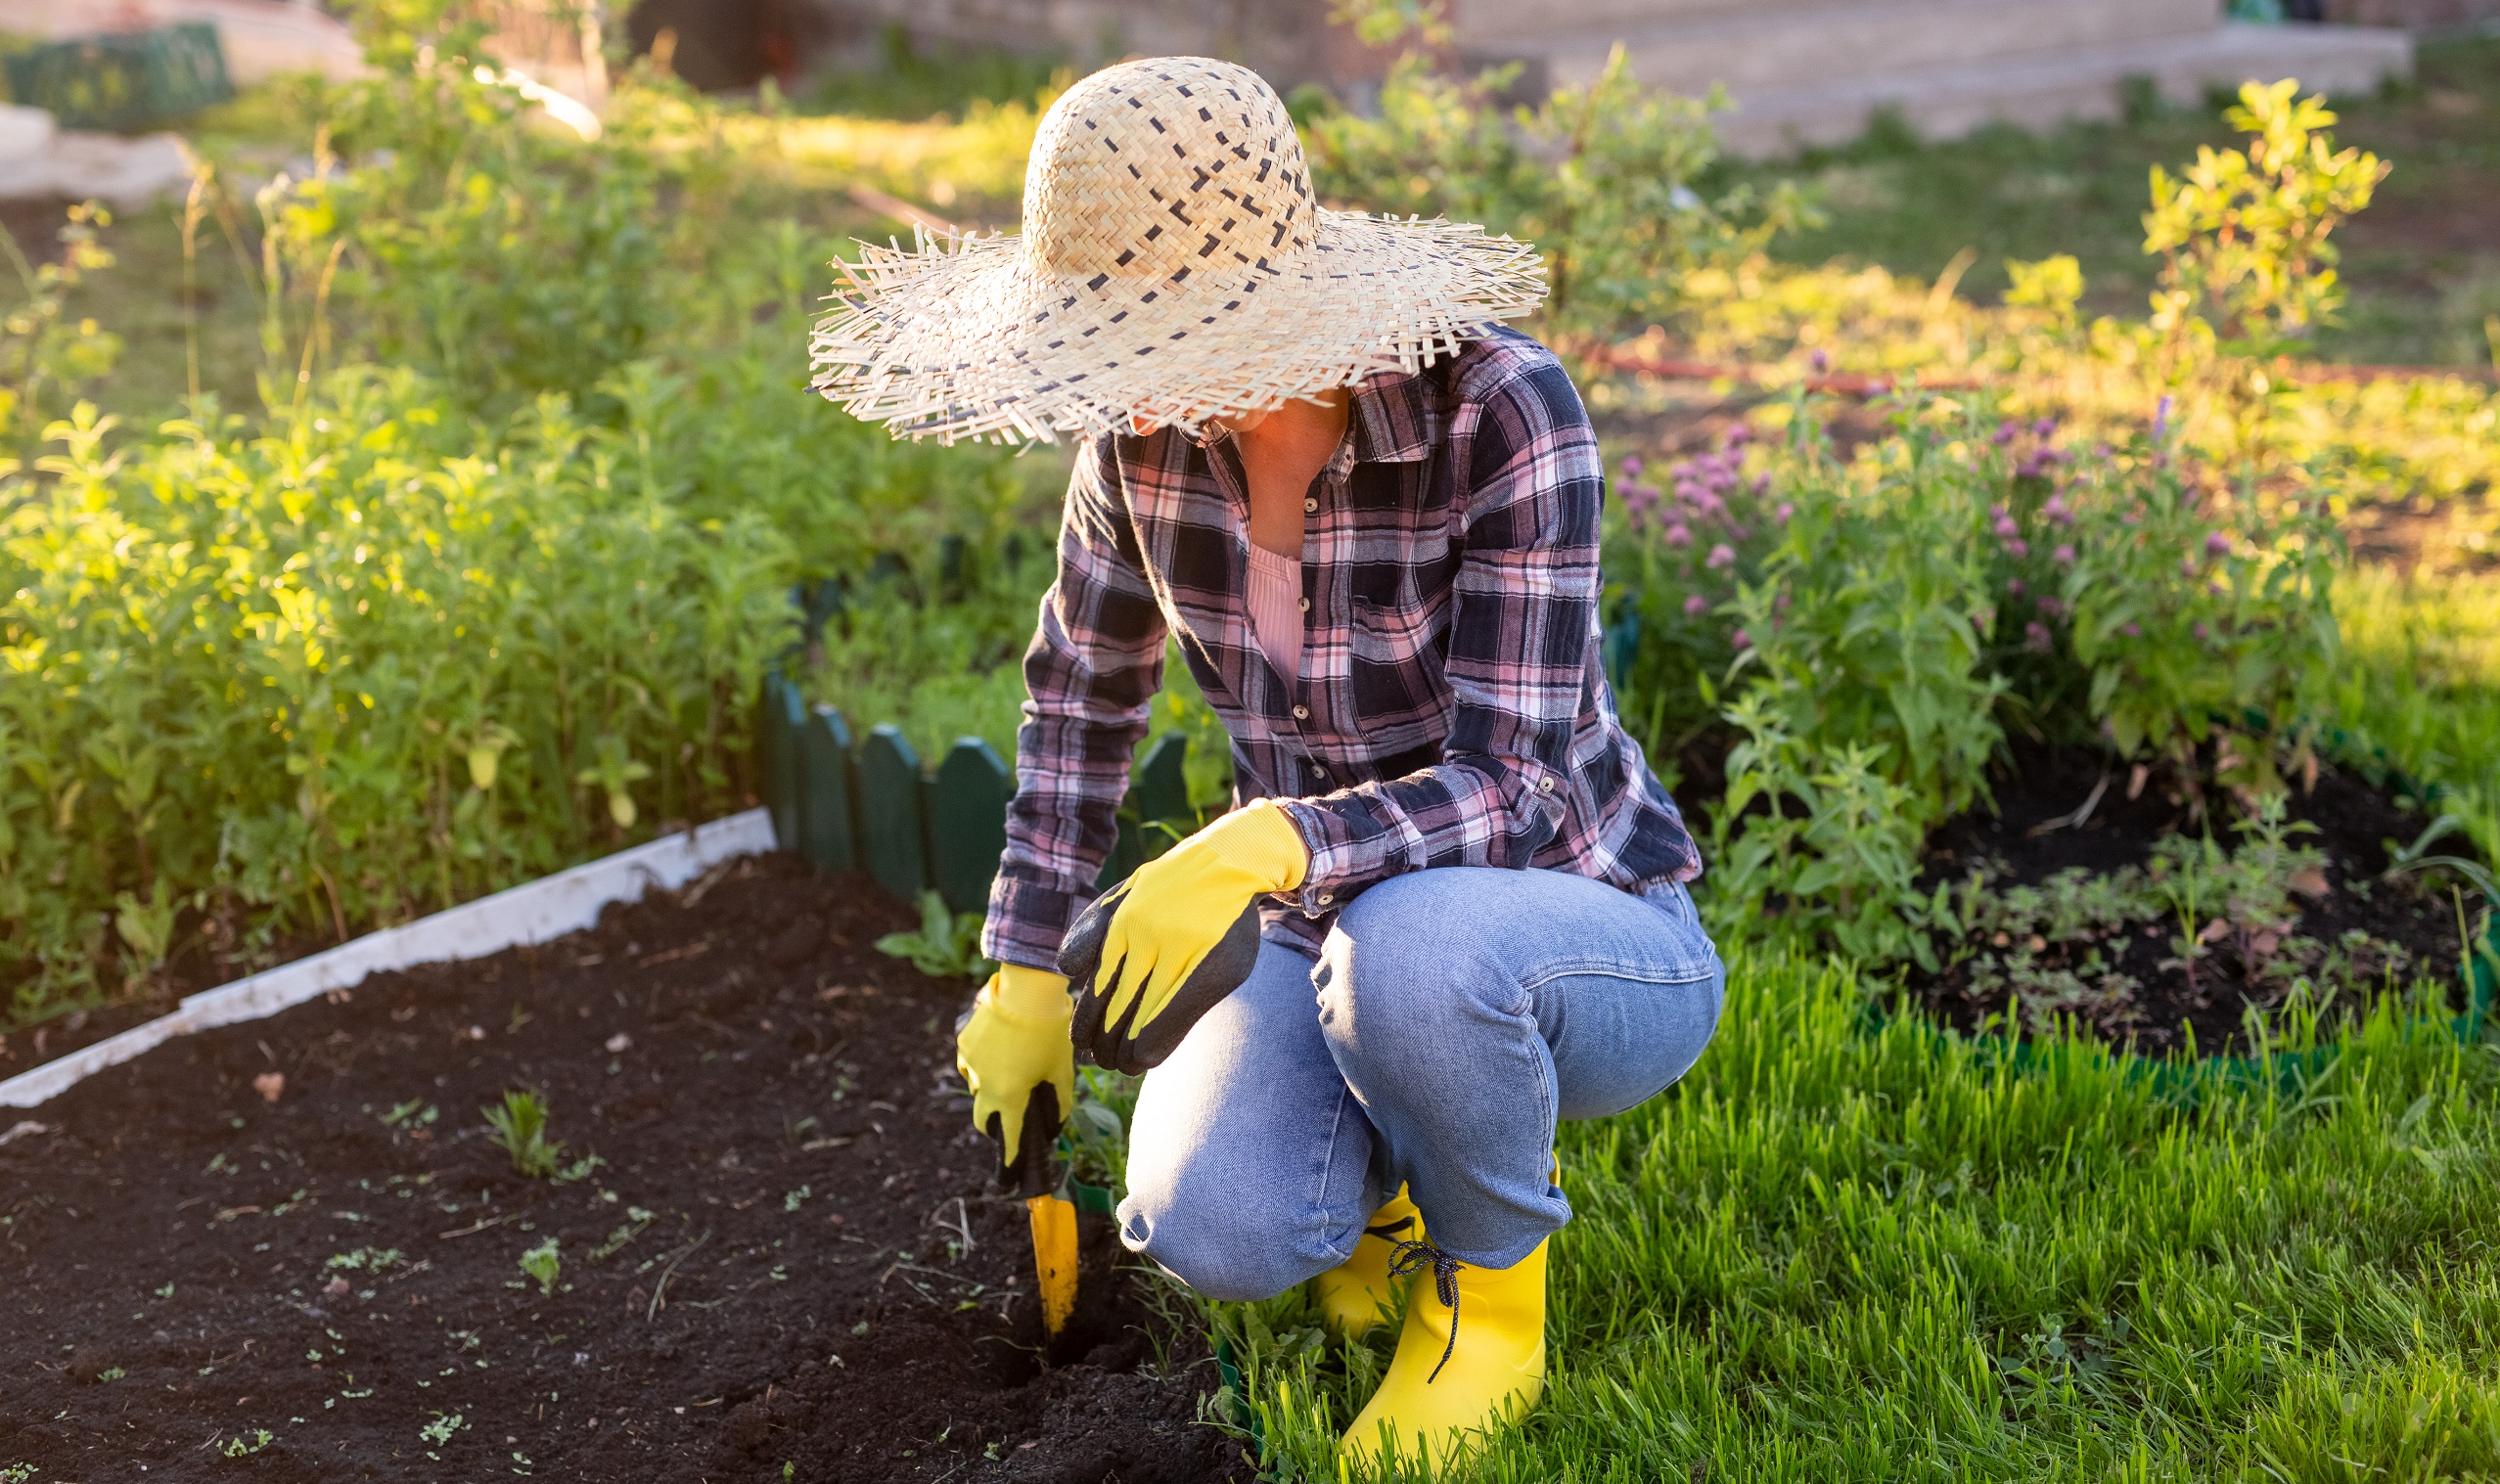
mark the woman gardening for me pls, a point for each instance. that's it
(1449, 908)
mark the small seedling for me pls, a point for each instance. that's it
(414, 1113)
(521, 1131)
(636, 1219)
(797, 1198)
(542, 1263)
(366, 1259)
(239, 1447)
(440, 1430)
(17, 1473)
(111, 1373)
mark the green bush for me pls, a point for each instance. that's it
(407, 636)
(348, 665)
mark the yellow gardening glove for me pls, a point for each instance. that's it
(1016, 1040)
(1157, 951)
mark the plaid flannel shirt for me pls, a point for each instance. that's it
(1452, 708)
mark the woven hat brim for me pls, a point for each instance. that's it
(964, 338)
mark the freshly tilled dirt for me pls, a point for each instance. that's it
(788, 1260)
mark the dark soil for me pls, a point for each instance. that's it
(190, 1260)
(2354, 823)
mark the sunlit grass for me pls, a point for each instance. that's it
(1841, 1254)
(2420, 677)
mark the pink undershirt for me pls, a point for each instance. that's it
(1276, 608)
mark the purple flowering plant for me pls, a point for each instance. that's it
(1843, 631)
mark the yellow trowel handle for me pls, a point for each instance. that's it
(1054, 1221)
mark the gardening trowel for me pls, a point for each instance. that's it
(1054, 1220)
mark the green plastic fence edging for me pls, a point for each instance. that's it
(867, 805)
(968, 823)
(889, 813)
(825, 792)
(778, 717)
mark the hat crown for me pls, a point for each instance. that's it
(1171, 168)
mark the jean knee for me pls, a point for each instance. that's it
(1219, 1238)
(1394, 968)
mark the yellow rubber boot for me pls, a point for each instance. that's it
(1444, 1386)
(1358, 1293)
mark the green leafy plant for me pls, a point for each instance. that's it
(2243, 233)
(1831, 848)
(543, 1263)
(2418, 857)
(519, 1130)
(244, 1446)
(1097, 1132)
(947, 945)
(47, 356)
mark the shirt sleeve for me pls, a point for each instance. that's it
(1522, 628)
(1090, 678)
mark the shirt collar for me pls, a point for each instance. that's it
(1394, 419)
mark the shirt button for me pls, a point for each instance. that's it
(1310, 507)
(1320, 771)
(1545, 786)
(1301, 713)
(1327, 897)
(1305, 602)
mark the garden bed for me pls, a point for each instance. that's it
(787, 1260)
(2092, 920)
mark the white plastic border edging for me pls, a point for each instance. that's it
(531, 912)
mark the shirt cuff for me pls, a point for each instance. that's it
(1029, 919)
(1336, 866)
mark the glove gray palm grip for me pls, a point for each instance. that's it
(1028, 1174)
(1128, 1048)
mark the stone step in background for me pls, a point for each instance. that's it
(2043, 90)
(1776, 45)
(1816, 71)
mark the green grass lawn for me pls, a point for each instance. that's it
(1835, 1254)
(2424, 261)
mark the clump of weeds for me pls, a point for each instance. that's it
(520, 1128)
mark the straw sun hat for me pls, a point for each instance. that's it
(1173, 265)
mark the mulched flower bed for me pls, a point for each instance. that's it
(788, 1260)
(2122, 971)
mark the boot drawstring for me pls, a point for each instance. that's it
(1410, 1256)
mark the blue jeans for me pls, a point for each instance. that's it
(1453, 1015)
